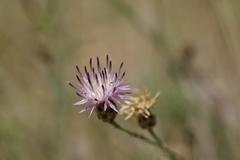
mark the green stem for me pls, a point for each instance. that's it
(158, 142)
(172, 155)
(133, 134)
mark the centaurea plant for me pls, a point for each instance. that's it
(103, 90)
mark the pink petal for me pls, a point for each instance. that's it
(112, 106)
(80, 102)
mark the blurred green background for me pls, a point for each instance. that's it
(187, 49)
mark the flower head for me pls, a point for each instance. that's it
(139, 105)
(100, 86)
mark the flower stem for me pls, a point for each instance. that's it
(133, 134)
(172, 155)
(158, 142)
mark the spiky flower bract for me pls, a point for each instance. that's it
(139, 105)
(100, 86)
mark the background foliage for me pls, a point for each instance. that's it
(187, 49)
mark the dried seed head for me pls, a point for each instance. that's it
(139, 105)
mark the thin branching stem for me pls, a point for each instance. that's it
(133, 134)
(172, 155)
(158, 142)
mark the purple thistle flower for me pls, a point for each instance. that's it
(100, 86)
